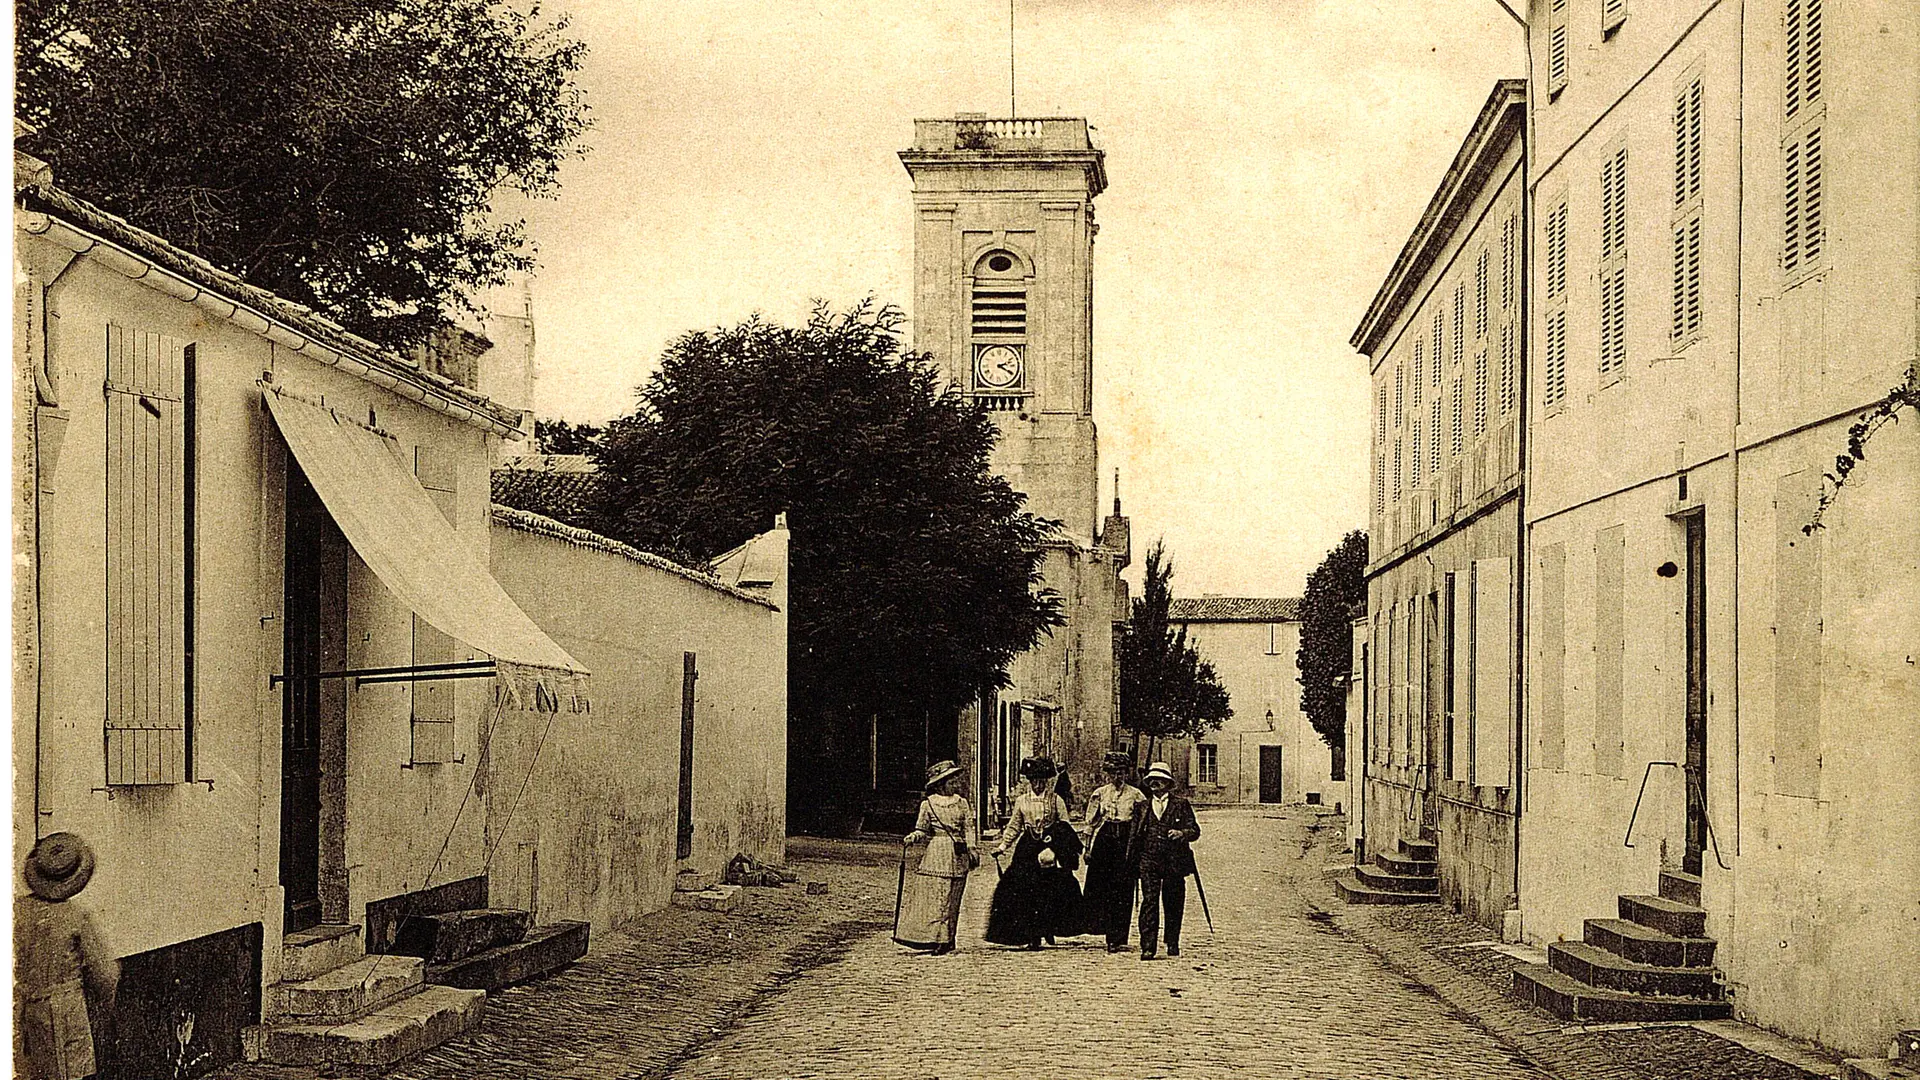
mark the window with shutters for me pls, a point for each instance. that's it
(1419, 374)
(1613, 265)
(1459, 429)
(1433, 443)
(999, 297)
(1553, 384)
(1803, 194)
(1380, 414)
(1479, 392)
(1688, 300)
(1414, 463)
(1612, 14)
(149, 558)
(1439, 347)
(1459, 323)
(1509, 259)
(1509, 370)
(1399, 395)
(1397, 470)
(1379, 481)
(1556, 245)
(433, 699)
(1557, 47)
(1482, 286)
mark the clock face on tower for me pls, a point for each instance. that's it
(997, 367)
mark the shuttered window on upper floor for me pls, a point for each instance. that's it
(1509, 370)
(1613, 263)
(1434, 423)
(1482, 286)
(1479, 392)
(1803, 56)
(1509, 259)
(1556, 244)
(1803, 189)
(1688, 299)
(1557, 47)
(1419, 373)
(1803, 230)
(1553, 383)
(1439, 346)
(1459, 322)
(1612, 14)
(149, 557)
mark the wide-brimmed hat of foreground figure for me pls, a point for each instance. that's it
(941, 773)
(59, 866)
(1161, 772)
(1037, 768)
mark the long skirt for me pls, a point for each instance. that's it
(1032, 902)
(929, 910)
(1110, 877)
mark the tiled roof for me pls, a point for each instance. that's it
(1233, 609)
(540, 525)
(559, 486)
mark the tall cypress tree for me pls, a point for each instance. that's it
(1334, 589)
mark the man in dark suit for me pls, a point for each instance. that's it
(1166, 858)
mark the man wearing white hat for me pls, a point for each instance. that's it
(1166, 858)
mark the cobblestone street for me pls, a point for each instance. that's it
(1272, 992)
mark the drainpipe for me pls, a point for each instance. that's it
(45, 395)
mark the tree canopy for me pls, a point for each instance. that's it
(342, 153)
(915, 574)
(561, 437)
(1166, 690)
(1325, 658)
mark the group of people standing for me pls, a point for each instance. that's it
(1132, 838)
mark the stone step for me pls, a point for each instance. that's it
(721, 898)
(1571, 999)
(1374, 878)
(395, 1031)
(1645, 945)
(1666, 916)
(545, 949)
(315, 951)
(1877, 1069)
(1599, 968)
(456, 935)
(1353, 891)
(1426, 850)
(1404, 864)
(346, 992)
(1681, 886)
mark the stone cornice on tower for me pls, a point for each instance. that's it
(1039, 142)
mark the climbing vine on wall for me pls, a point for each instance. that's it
(1883, 412)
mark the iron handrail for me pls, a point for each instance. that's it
(1713, 836)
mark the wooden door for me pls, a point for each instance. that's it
(308, 600)
(1695, 765)
(1270, 774)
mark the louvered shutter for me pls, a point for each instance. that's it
(1612, 14)
(149, 557)
(1557, 57)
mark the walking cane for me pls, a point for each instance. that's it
(1203, 899)
(900, 892)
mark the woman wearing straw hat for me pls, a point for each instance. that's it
(1037, 896)
(929, 907)
(59, 962)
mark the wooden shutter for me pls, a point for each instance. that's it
(1803, 57)
(1803, 240)
(1613, 257)
(1479, 392)
(1460, 692)
(1482, 290)
(1418, 455)
(1509, 370)
(1547, 632)
(1399, 394)
(1557, 250)
(1439, 347)
(1557, 57)
(1509, 259)
(1612, 14)
(1459, 322)
(1688, 312)
(1492, 673)
(149, 470)
(1554, 385)
(1459, 427)
(1435, 420)
(1609, 648)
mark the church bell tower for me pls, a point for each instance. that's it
(1003, 293)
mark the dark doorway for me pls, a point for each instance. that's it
(1696, 755)
(315, 641)
(1270, 774)
(689, 675)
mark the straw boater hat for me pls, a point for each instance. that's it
(940, 773)
(1159, 771)
(59, 866)
(1037, 768)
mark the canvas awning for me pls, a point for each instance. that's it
(367, 485)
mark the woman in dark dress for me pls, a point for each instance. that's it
(1114, 812)
(1037, 896)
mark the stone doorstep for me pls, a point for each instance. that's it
(307, 953)
(1603, 970)
(1680, 886)
(1645, 945)
(1388, 881)
(456, 935)
(347, 991)
(1425, 850)
(691, 880)
(1405, 864)
(1666, 916)
(397, 1030)
(544, 949)
(1570, 999)
(721, 898)
(1353, 892)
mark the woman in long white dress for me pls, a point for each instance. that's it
(930, 896)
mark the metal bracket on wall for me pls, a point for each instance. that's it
(468, 669)
(1712, 833)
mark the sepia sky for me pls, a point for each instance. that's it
(1267, 158)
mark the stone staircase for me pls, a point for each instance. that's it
(336, 1005)
(487, 948)
(1406, 876)
(1652, 963)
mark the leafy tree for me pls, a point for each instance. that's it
(561, 437)
(342, 153)
(1325, 660)
(915, 575)
(1166, 690)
